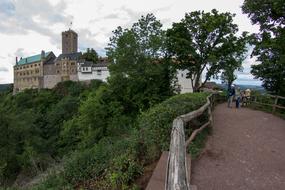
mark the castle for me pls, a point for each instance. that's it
(45, 70)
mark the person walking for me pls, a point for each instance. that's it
(231, 94)
(237, 96)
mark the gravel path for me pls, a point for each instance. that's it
(245, 152)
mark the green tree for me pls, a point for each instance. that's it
(269, 42)
(202, 41)
(90, 55)
(233, 61)
(141, 73)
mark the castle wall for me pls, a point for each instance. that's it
(28, 76)
(51, 80)
(183, 82)
(100, 73)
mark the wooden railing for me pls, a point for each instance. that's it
(178, 174)
(254, 99)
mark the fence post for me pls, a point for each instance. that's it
(177, 174)
(274, 105)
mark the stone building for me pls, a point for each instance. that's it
(45, 70)
(69, 42)
(29, 71)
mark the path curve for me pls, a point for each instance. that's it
(245, 152)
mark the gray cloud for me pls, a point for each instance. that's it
(20, 17)
(111, 16)
(87, 40)
(3, 69)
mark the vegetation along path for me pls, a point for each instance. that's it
(246, 151)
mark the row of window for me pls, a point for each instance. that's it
(28, 66)
(99, 72)
(31, 79)
(27, 73)
(65, 63)
(72, 71)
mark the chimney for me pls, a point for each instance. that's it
(43, 55)
(26, 60)
(16, 60)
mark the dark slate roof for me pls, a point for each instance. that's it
(70, 56)
(87, 64)
(50, 58)
(101, 65)
(32, 59)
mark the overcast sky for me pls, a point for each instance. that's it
(29, 26)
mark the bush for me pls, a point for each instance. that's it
(52, 182)
(87, 164)
(156, 123)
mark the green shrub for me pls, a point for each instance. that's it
(123, 171)
(87, 164)
(53, 182)
(156, 123)
(198, 143)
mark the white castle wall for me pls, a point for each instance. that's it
(183, 82)
(89, 73)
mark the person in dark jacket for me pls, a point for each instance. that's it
(231, 94)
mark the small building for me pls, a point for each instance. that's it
(89, 71)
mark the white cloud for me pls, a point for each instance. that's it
(29, 26)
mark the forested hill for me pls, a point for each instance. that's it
(89, 136)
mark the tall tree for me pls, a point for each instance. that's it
(90, 55)
(233, 61)
(140, 71)
(269, 42)
(202, 41)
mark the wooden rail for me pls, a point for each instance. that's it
(274, 105)
(178, 174)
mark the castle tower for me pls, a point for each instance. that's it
(69, 41)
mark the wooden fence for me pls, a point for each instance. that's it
(178, 172)
(255, 100)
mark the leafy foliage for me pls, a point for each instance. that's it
(205, 41)
(156, 123)
(90, 55)
(31, 122)
(141, 66)
(269, 48)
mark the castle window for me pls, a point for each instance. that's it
(57, 71)
(99, 72)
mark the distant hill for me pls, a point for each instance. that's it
(5, 87)
(243, 87)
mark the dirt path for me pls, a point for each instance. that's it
(245, 152)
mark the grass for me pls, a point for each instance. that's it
(198, 144)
